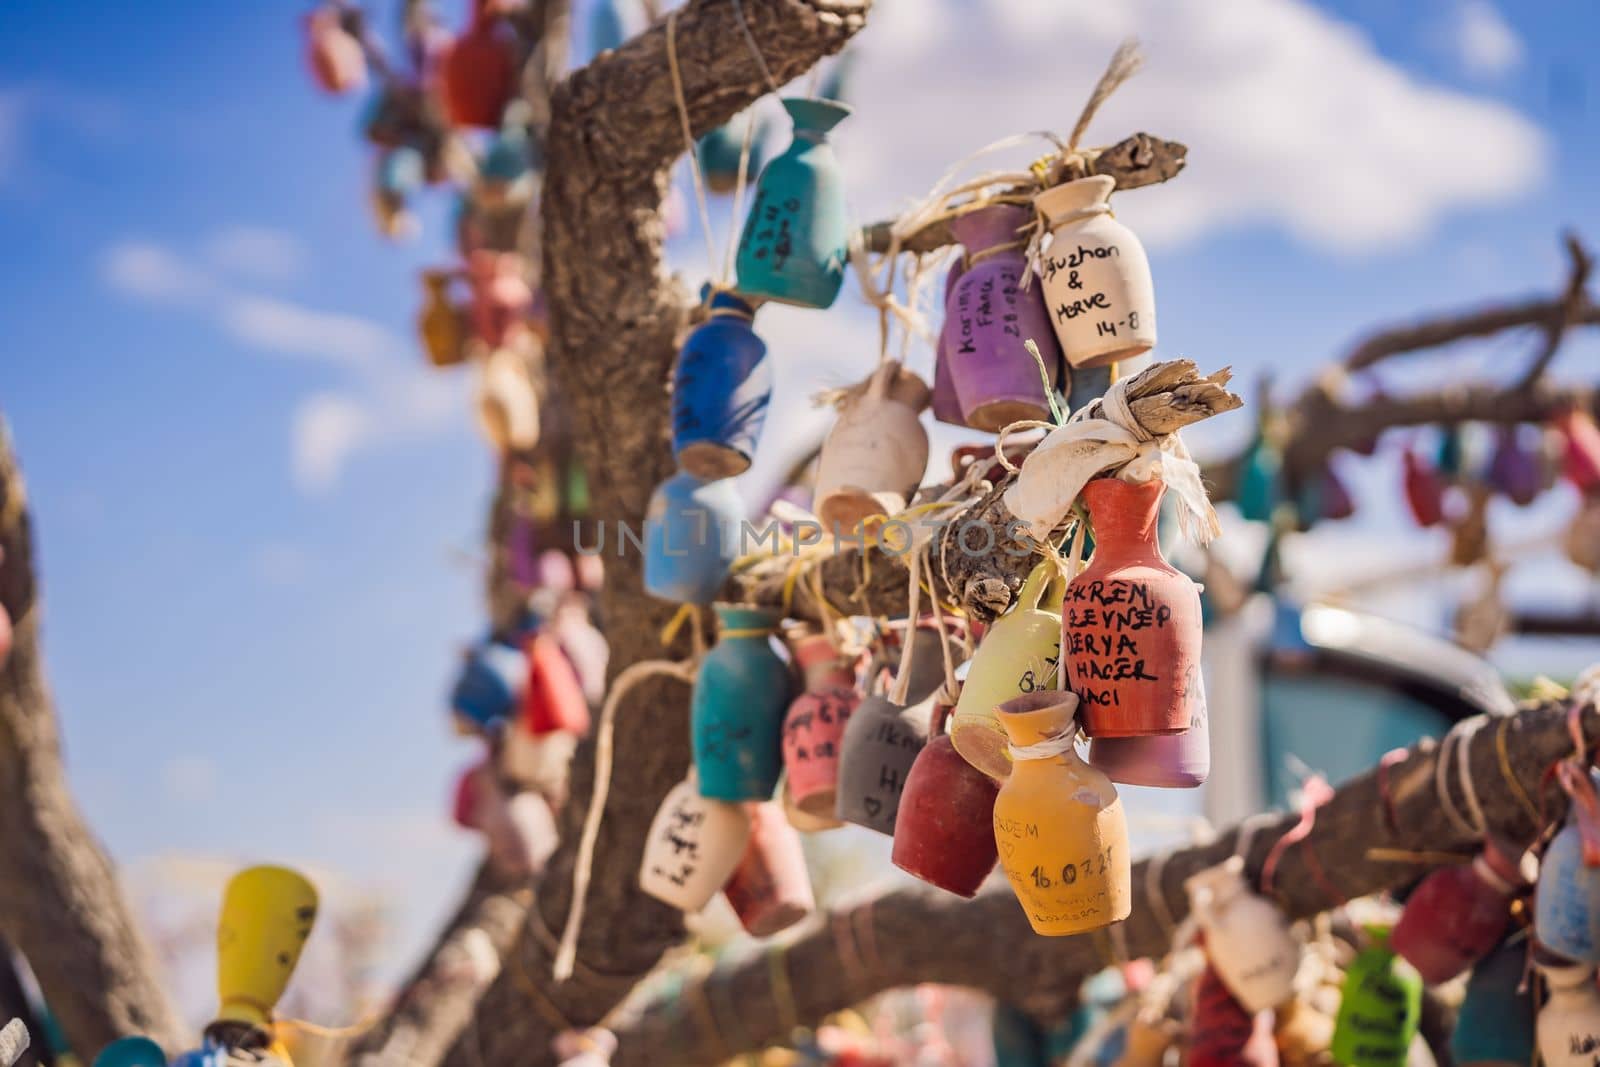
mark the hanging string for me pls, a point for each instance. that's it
(902, 679)
(1056, 744)
(738, 195)
(1314, 792)
(1247, 833)
(1441, 786)
(1576, 781)
(1464, 772)
(567, 951)
(782, 988)
(688, 136)
(1391, 818)
(1510, 776)
(755, 49)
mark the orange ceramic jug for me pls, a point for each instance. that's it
(1058, 824)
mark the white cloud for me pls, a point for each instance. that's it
(326, 429)
(257, 252)
(1485, 43)
(149, 271)
(291, 329)
(1293, 118)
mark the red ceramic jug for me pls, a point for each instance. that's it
(1130, 626)
(479, 73)
(337, 62)
(770, 889)
(1457, 915)
(1582, 460)
(813, 728)
(1222, 1033)
(1424, 490)
(554, 697)
(944, 832)
(501, 296)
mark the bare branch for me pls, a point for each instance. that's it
(1573, 301)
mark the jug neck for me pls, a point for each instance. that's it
(814, 118)
(1569, 978)
(1125, 514)
(1039, 716)
(983, 229)
(735, 622)
(1074, 200)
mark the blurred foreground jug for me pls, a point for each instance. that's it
(1166, 761)
(1096, 277)
(691, 538)
(988, 315)
(693, 846)
(881, 742)
(1018, 655)
(479, 72)
(1566, 914)
(553, 699)
(1247, 938)
(1569, 1022)
(1494, 1026)
(813, 729)
(1380, 1007)
(1058, 823)
(1131, 623)
(944, 830)
(770, 889)
(267, 914)
(721, 388)
(736, 712)
(1223, 1032)
(796, 239)
(874, 457)
(131, 1052)
(1457, 915)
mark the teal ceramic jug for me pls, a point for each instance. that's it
(718, 153)
(736, 714)
(1380, 1007)
(796, 240)
(1494, 1025)
(131, 1052)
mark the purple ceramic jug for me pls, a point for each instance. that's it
(1165, 761)
(946, 405)
(988, 315)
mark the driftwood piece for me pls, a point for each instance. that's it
(60, 903)
(977, 562)
(921, 935)
(1134, 162)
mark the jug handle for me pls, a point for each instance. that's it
(1045, 579)
(938, 717)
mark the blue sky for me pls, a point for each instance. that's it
(258, 511)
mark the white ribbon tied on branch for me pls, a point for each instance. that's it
(1112, 440)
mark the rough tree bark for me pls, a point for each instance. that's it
(60, 904)
(615, 318)
(913, 936)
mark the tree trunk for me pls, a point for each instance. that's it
(60, 904)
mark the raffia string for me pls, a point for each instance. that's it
(1125, 63)
(755, 49)
(567, 951)
(688, 136)
(1054, 745)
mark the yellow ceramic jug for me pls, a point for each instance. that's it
(1058, 823)
(1018, 655)
(267, 914)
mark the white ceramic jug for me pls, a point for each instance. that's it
(694, 845)
(1248, 939)
(1569, 1022)
(875, 455)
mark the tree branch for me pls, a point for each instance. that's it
(60, 904)
(919, 935)
(1573, 302)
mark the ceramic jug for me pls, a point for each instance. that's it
(736, 711)
(397, 177)
(881, 742)
(553, 698)
(1166, 761)
(691, 538)
(926, 672)
(1131, 622)
(1088, 384)
(1494, 1025)
(1247, 938)
(1581, 459)
(1018, 655)
(813, 729)
(1223, 1032)
(1095, 275)
(945, 403)
(1303, 1032)
(1514, 469)
(801, 819)
(479, 74)
(988, 315)
(501, 296)
(441, 323)
(607, 28)
(489, 686)
(1566, 914)
(1058, 823)
(944, 830)
(693, 846)
(508, 404)
(796, 240)
(337, 63)
(267, 914)
(1457, 915)
(1380, 1007)
(1424, 490)
(718, 153)
(131, 1052)
(519, 829)
(1146, 1043)
(874, 456)
(1568, 1025)
(770, 889)
(721, 386)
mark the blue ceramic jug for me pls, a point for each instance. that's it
(1566, 913)
(736, 713)
(1495, 1022)
(131, 1052)
(718, 153)
(721, 387)
(489, 686)
(691, 537)
(796, 240)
